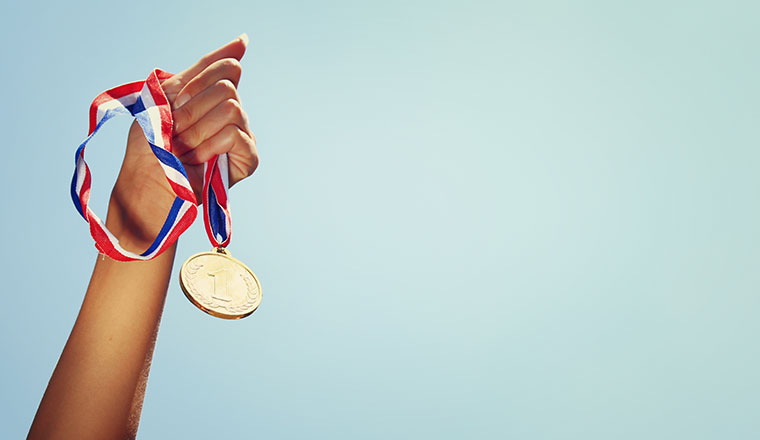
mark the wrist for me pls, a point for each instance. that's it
(138, 207)
(134, 234)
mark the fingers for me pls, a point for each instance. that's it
(235, 49)
(230, 139)
(226, 68)
(192, 111)
(208, 117)
(227, 112)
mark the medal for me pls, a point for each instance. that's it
(220, 285)
(214, 281)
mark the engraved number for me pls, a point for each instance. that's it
(221, 282)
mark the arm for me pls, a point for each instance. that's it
(102, 371)
(97, 388)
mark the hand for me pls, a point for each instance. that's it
(208, 120)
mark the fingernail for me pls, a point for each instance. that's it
(244, 38)
(181, 100)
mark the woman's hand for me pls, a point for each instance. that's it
(208, 120)
(97, 388)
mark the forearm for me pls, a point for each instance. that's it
(97, 382)
(97, 387)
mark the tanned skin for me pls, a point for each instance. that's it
(97, 388)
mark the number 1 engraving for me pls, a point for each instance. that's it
(221, 283)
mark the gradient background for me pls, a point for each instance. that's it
(529, 220)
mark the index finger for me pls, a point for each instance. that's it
(233, 49)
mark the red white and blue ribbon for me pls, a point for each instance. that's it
(146, 101)
(216, 212)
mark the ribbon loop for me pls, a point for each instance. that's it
(147, 103)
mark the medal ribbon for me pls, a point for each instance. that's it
(147, 103)
(216, 211)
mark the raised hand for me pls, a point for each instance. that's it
(208, 120)
(97, 387)
(208, 116)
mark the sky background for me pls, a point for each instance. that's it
(524, 220)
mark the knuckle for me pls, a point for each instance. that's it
(248, 144)
(254, 165)
(232, 108)
(231, 134)
(233, 66)
(240, 135)
(227, 87)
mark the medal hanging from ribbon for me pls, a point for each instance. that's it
(214, 281)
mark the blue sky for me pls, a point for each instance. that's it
(476, 219)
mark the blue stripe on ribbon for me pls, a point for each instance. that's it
(216, 217)
(110, 113)
(144, 120)
(137, 107)
(166, 227)
(74, 195)
(168, 159)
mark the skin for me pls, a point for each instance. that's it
(97, 388)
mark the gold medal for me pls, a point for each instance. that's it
(220, 285)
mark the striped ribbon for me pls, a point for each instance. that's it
(146, 101)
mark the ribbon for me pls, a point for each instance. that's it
(147, 103)
(216, 211)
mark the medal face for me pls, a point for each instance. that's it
(220, 285)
